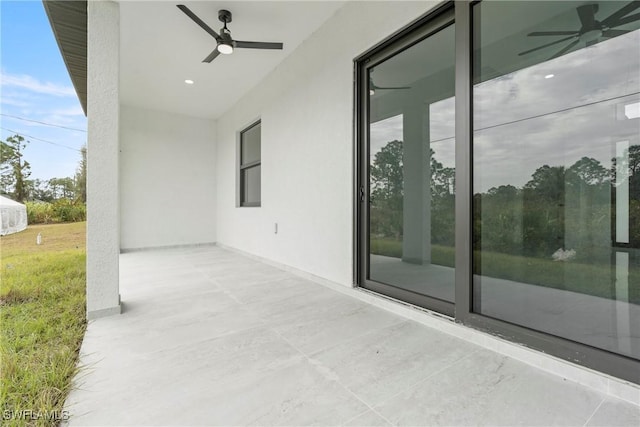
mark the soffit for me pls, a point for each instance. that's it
(68, 21)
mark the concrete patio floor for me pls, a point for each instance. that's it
(211, 337)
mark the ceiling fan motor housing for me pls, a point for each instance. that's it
(224, 16)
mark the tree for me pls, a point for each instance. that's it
(6, 153)
(62, 188)
(68, 187)
(386, 172)
(40, 190)
(442, 184)
(547, 182)
(81, 176)
(628, 166)
(14, 171)
(387, 190)
(442, 180)
(589, 170)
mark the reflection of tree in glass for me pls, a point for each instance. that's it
(386, 171)
(387, 179)
(558, 208)
(629, 167)
(442, 184)
(518, 232)
(387, 191)
(588, 171)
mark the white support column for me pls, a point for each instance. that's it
(103, 109)
(416, 241)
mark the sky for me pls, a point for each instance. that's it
(542, 114)
(35, 86)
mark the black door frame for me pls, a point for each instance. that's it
(418, 31)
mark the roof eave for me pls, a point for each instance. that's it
(68, 21)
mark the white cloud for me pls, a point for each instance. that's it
(32, 84)
(14, 102)
(75, 110)
(65, 116)
(523, 121)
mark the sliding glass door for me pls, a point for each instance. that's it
(499, 173)
(411, 168)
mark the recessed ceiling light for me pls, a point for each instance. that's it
(189, 82)
(549, 76)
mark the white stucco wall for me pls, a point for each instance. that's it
(103, 228)
(167, 179)
(306, 107)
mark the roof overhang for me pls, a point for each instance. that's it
(68, 21)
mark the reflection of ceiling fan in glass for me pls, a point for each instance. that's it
(373, 88)
(591, 29)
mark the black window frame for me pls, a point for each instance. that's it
(246, 166)
(606, 362)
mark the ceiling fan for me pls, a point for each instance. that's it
(373, 88)
(225, 44)
(591, 29)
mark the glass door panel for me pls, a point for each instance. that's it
(411, 122)
(556, 170)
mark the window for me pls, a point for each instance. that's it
(250, 180)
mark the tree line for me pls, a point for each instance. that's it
(569, 208)
(15, 171)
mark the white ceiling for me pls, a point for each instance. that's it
(160, 47)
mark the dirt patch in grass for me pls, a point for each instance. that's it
(54, 237)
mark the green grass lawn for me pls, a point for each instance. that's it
(590, 279)
(42, 319)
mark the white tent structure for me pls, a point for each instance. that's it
(13, 216)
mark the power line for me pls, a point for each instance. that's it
(543, 114)
(557, 111)
(42, 140)
(43, 123)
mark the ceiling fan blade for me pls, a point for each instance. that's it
(614, 33)
(611, 20)
(552, 33)
(545, 45)
(625, 20)
(565, 49)
(258, 45)
(199, 21)
(213, 55)
(587, 15)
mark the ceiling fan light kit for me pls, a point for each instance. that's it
(225, 48)
(225, 44)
